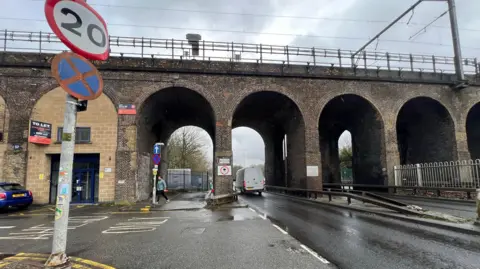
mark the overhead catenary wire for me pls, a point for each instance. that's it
(425, 28)
(260, 15)
(255, 33)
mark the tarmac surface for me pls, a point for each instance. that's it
(184, 237)
(350, 239)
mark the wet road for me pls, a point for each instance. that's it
(355, 240)
(235, 238)
(455, 208)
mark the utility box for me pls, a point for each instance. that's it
(194, 39)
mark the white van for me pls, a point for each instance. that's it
(250, 179)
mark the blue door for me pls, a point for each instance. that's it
(85, 178)
(83, 185)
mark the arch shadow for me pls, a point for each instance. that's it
(353, 113)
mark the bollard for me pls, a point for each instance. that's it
(478, 207)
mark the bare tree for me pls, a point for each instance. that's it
(186, 148)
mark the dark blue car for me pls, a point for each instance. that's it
(14, 195)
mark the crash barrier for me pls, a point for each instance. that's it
(364, 197)
(462, 193)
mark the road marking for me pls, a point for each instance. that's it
(7, 227)
(42, 231)
(314, 254)
(280, 229)
(264, 216)
(76, 263)
(136, 225)
(253, 210)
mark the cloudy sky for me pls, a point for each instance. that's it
(345, 24)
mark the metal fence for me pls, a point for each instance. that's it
(186, 180)
(346, 175)
(458, 174)
(41, 42)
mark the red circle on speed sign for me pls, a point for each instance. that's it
(224, 170)
(79, 27)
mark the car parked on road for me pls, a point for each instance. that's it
(14, 195)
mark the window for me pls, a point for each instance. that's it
(82, 135)
(12, 187)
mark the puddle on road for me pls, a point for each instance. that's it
(234, 218)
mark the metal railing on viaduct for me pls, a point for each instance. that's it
(42, 42)
(453, 179)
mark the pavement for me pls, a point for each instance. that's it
(352, 239)
(180, 234)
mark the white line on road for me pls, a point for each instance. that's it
(314, 254)
(7, 227)
(135, 226)
(253, 210)
(264, 216)
(280, 229)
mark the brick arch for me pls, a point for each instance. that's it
(52, 84)
(412, 133)
(332, 95)
(365, 122)
(399, 105)
(101, 116)
(147, 91)
(472, 127)
(239, 98)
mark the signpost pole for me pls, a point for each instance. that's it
(157, 152)
(154, 191)
(64, 193)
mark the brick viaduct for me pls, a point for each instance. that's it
(394, 118)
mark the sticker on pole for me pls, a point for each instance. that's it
(224, 170)
(79, 27)
(77, 76)
(156, 159)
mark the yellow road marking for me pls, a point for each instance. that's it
(132, 212)
(14, 258)
(33, 255)
(76, 262)
(35, 214)
(89, 262)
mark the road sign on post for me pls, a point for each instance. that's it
(156, 158)
(88, 36)
(156, 149)
(77, 76)
(79, 27)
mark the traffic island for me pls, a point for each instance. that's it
(38, 260)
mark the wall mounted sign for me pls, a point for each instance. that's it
(40, 133)
(127, 109)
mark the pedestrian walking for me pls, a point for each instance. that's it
(161, 187)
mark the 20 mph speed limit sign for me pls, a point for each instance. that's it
(79, 27)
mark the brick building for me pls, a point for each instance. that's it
(394, 118)
(94, 151)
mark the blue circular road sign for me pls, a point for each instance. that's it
(77, 76)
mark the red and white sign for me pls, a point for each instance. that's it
(224, 170)
(79, 27)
